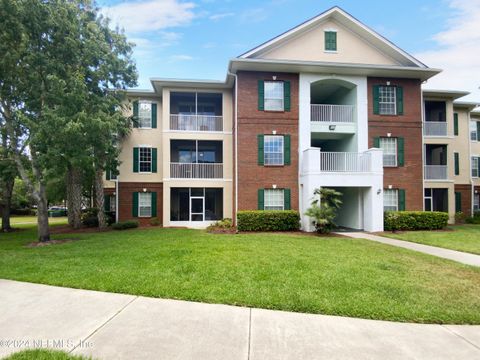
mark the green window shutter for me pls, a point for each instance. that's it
(107, 173)
(135, 159)
(286, 150)
(478, 130)
(154, 204)
(401, 200)
(261, 199)
(286, 199)
(401, 151)
(260, 141)
(376, 142)
(376, 99)
(135, 204)
(455, 124)
(135, 114)
(399, 100)
(261, 95)
(106, 203)
(154, 160)
(458, 202)
(457, 163)
(154, 116)
(286, 96)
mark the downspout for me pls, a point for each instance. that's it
(117, 195)
(472, 183)
(423, 147)
(235, 126)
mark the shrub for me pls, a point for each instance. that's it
(460, 217)
(268, 220)
(155, 221)
(23, 212)
(475, 219)
(89, 217)
(323, 209)
(415, 220)
(123, 225)
(222, 226)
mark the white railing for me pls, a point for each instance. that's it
(196, 122)
(332, 113)
(345, 162)
(196, 171)
(436, 172)
(435, 128)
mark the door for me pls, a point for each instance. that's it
(197, 208)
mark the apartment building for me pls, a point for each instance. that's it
(329, 103)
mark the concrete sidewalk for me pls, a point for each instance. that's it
(115, 326)
(461, 257)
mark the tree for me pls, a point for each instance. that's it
(8, 172)
(323, 209)
(62, 61)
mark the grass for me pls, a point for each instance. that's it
(292, 272)
(461, 237)
(43, 354)
(32, 220)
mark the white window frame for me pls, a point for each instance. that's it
(392, 196)
(267, 96)
(429, 198)
(143, 198)
(382, 101)
(473, 131)
(476, 202)
(274, 199)
(113, 203)
(325, 45)
(282, 152)
(395, 146)
(140, 159)
(475, 163)
(142, 116)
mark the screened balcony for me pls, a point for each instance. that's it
(436, 167)
(192, 159)
(191, 111)
(435, 119)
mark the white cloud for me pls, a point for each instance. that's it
(150, 15)
(216, 17)
(457, 53)
(174, 58)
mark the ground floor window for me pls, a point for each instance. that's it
(390, 200)
(476, 202)
(274, 199)
(113, 203)
(436, 200)
(144, 204)
(196, 204)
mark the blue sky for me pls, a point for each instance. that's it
(196, 38)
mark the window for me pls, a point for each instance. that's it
(145, 159)
(428, 199)
(274, 95)
(196, 204)
(387, 100)
(145, 114)
(274, 199)
(113, 204)
(273, 150)
(390, 200)
(389, 147)
(330, 40)
(144, 204)
(476, 202)
(474, 136)
(475, 166)
(112, 175)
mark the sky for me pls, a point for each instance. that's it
(195, 39)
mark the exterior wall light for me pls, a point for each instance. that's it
(332, 127)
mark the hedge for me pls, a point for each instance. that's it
(475, 219)
(124, 225)
(415, 220)
(268, 220)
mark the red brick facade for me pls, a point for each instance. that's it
(126, 190)
(466, 191)
(252, 122)
(408, 126)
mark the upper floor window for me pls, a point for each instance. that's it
(387, 100)
(389, 147)
(273, 150)
(475, 166)
(474, 130)
(144, 114)
(274, 95)
(145, 159)
(274, 199)
(330, 40)
(390, 200)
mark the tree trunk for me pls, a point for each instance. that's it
(74, 197)
(7, 203)
(42, 215)
(99, 199)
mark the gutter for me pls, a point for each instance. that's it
(235, 120)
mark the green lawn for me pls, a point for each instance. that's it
(290, 272)
(43, 354)
(32, 220)
(461, 237)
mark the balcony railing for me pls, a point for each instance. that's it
(435, 128)
(332, 113)
(196, 171)
(196, 122)
(345, 162)
(436, 172)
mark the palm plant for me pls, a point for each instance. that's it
(323, 209)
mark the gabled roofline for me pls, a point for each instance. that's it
(159, 83)
(319, 17)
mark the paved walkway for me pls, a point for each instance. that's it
(462, 257)
(116, 326)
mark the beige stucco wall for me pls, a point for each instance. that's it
(461, 144)
(310, 46)
(451, 195)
